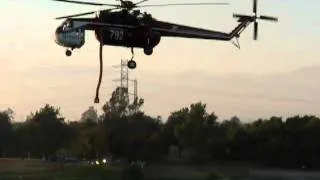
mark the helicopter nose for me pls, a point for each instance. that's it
(58, 35)
(59, 29)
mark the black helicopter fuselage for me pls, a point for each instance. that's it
(141, 36)
(132, 30)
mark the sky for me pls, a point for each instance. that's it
(276, 75)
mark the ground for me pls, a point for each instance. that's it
(11, 169)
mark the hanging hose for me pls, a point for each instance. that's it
(132, 53)
(96, 100)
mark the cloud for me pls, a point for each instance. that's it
(248, 96)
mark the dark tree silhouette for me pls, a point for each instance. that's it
(124, 131)
(6, 131)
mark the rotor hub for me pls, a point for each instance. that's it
(127, 5)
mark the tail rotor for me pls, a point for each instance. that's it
(255, 17)
(256, 26)
(267, 18)
(255, 4)
(255, 31)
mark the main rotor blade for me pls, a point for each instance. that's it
(87, 13)
(255, 32)
(269, 18)
(255, 3)
(183, 4)
(140, 2)
(87, 3)
(75, 15)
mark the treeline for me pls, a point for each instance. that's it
(123, 131)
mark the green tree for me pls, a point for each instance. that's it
(119, 105)
(48, 130)
(90, 116)
(128, 131)
(194, 133)
(176, 119)
(144, 139)
(6, 131)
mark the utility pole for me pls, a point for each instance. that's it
(124, 80)
(135, 89)
(124, 74)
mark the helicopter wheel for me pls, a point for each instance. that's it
(148, 51)
(132, 64)
(68, 52)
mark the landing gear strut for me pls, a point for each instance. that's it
(132, 64)
(148, 51)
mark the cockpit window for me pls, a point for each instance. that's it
(67, 25)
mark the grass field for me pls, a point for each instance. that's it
(193, 172)
(16, 169)
(11, 169)
(36, 169)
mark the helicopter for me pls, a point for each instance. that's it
(129, 27)
(132, 29)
